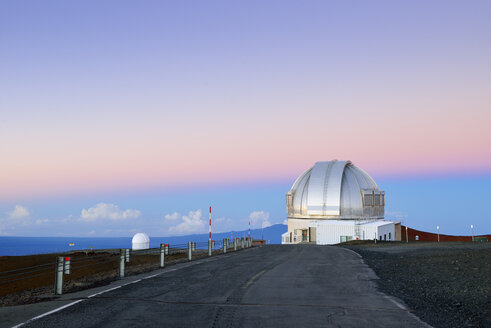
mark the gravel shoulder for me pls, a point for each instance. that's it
(445, 284)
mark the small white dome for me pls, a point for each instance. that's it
(140, 241)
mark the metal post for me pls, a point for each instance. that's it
(224, 245)
(162, 255)
(60, 263)
(472, 228)
(242, 242)
(127, 255)
(438, 231)
(166, 249)
(190, 251)
(122, 259)
(67, 267)
(407, 238)
(193, 244)
(235, 244)
(209, 247)
(375, 239)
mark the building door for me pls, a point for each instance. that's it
(312, 234)
(304, 235)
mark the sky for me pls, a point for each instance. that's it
(124, 116)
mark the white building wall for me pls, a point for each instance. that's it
(285, 238)
(371, 232)
(329, 232)
(386, 230)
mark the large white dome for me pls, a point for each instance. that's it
(140, 241)
(335, 190)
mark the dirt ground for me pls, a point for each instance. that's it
(23, 286)
(445, 284)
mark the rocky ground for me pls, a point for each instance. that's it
(445, 284)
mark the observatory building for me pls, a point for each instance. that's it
(140, 241)
(336, 201)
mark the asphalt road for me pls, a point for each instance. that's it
(269, 286)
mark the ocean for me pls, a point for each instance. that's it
(15, 246)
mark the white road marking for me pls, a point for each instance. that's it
(132, 282)
(104, 291)
(48, 313)
(399, 305)
(154, 275)
(352, 251)
(110, 289)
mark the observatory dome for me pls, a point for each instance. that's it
(335, 190)
(140, 241)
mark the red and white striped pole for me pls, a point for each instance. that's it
(209, 230)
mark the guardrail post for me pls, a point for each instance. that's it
(162, 255)
(166, 248)
(193, 246)
(190, 251)
(60, 264)
(209, 247)
(241, 242)
(67, 267)
(122, 259)
(127, 255)
(235, 244)
(224, 246)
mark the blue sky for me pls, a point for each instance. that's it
(453, 203)
(120, 116)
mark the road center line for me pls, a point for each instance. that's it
(257, 275)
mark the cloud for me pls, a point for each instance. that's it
(191, 223)
(172, 217)
(18, 217)
(261, 218)
(108, 211)
(20, 212)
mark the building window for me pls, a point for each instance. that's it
(385, 236)
(289, 203)
(376, 199)
(390, 236)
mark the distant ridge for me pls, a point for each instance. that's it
(15, 246)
